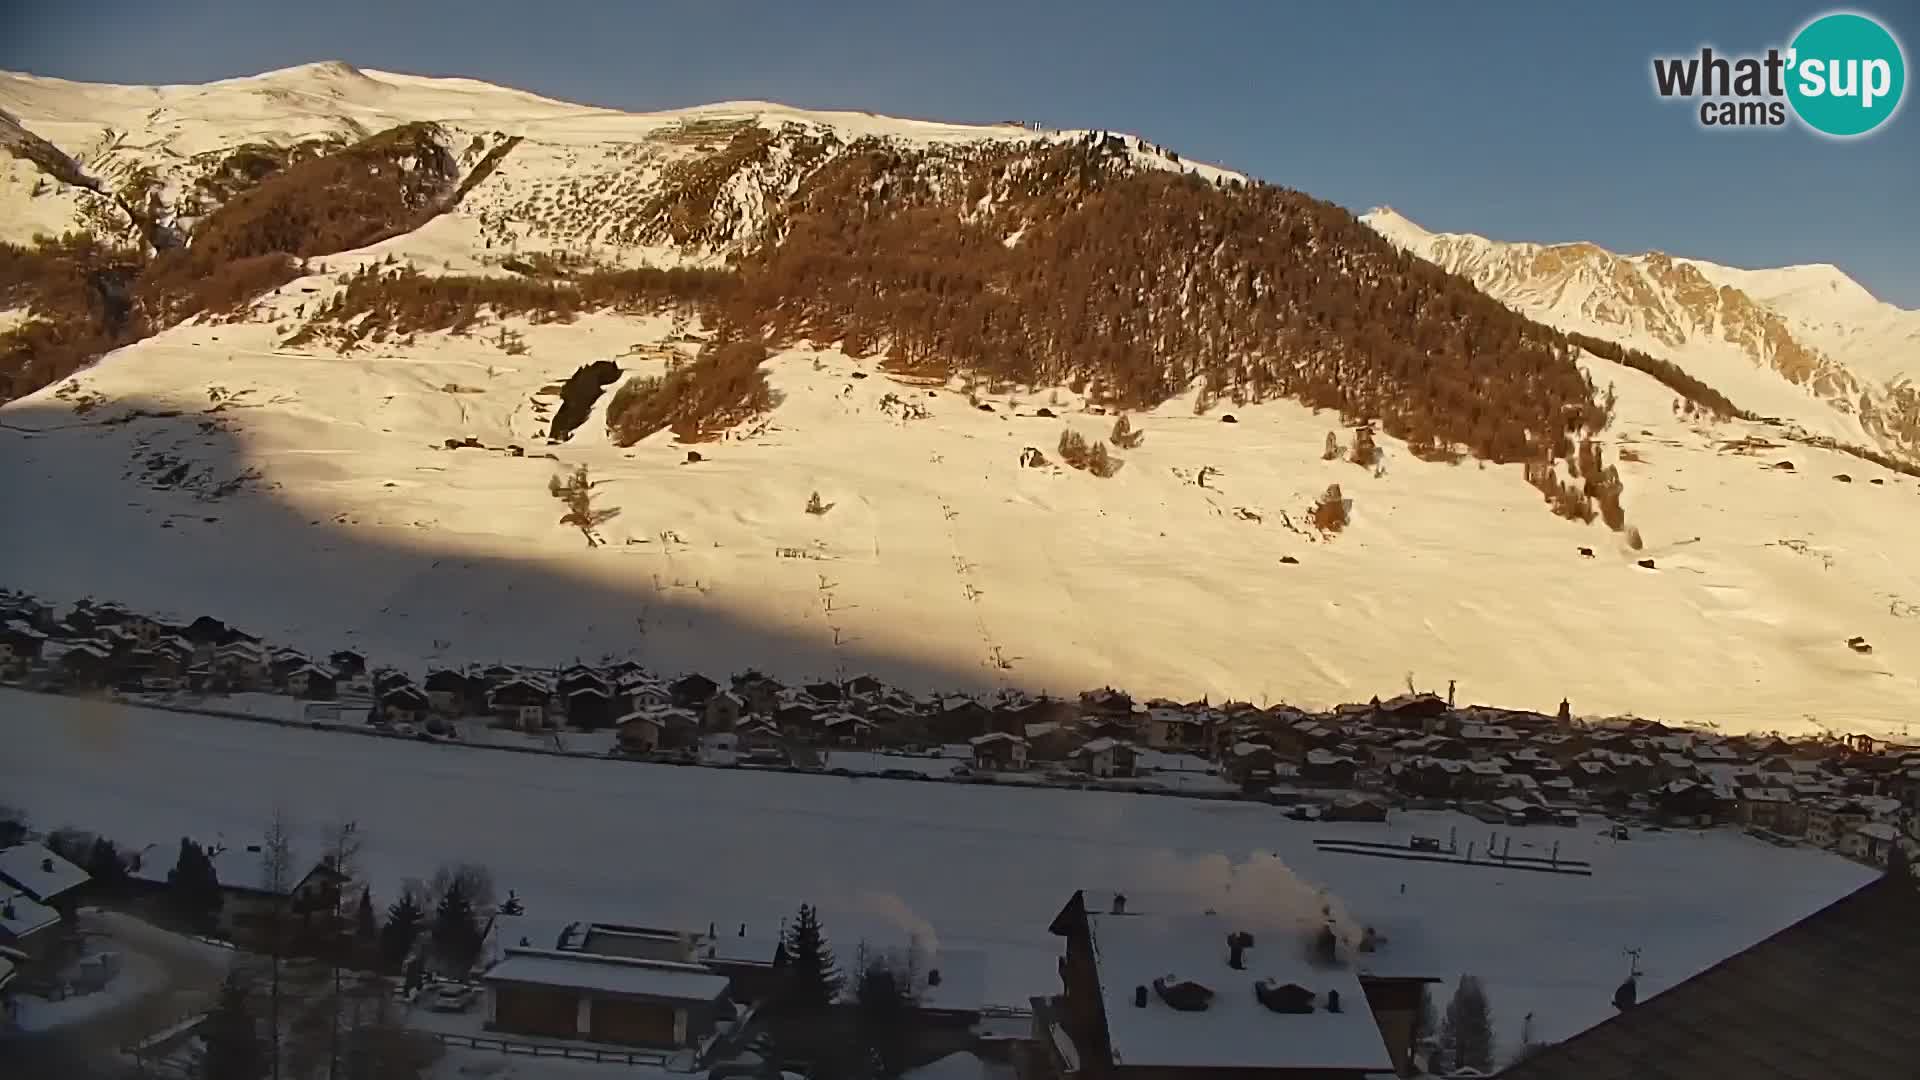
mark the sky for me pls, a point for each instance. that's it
(1519, 121)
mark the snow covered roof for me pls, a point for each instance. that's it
(21, 915)
(1235, 1030)
(38, 872)
(992, 737)
(608, 975)
(1767, 794)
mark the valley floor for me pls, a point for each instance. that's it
(962, 867)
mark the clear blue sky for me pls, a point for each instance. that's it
(1526, 121)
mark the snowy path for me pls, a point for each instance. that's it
(972, 867)
(163, 977)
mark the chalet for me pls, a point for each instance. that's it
(20, 647)
(284, 662)
(759, 694)
(85, 664)
(1870, 843)
(1770, 808)
(758, 736)
(657, 729)
(1328, 769)
(404, 703)
(640, 691)
(448, 690)
(44, 877)
(895, 726)
(31, 929)
(960, 719)
(1685, 802)
(1830, 820)
(1173, 729)
(865, 686)
(692, 691)
(1049, 740)
(242, 664)
(580, 675)
(1412, 711)
(348, 662)
(1105, 758)
(1354, 806)
(1250, 765)
(312, 683)
(799, 718)
(249, 902)
(520, 703)
(843, 728)
(1106, 702)
(723, 711)
(1430, 777)
(999, 751)
(574, 994)
(1196, 997)
(1741, 1017)
(589, 705)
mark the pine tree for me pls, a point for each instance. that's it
(1466, 1031)
(883, 992)
(194, 887)
(234, 1050)
(365, 927)
(456, 929)
(403, 926)
(103, 865)
(816, 980)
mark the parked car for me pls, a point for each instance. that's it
(450, 997)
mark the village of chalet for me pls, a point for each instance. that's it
(1855, 795)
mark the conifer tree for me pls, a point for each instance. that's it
(365, 926)
(403, 926)
(456, 929)
(234, 1050)
(816, 980)
(1466, 1030)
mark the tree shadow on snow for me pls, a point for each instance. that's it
(161, 510)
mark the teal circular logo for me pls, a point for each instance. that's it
(1846, 74)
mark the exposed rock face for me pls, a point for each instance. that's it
(578, 395)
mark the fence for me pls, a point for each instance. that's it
(543, 1050)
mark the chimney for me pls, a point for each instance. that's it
(46, 866)
(1238, 943)
(1139, 997)
(1119, 903)
(1333, 1001)
(933, 976)
(743, 930)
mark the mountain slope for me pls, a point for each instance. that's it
(1804, 343)
(943, 304)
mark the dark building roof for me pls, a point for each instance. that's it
(1833, 997)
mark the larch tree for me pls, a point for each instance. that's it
(1466, 1029)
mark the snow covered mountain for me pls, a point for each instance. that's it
(353, 446)
(1804, 343)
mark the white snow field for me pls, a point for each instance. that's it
(964, 867)
(942, 558)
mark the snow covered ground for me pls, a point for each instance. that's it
(961, 866)
(942, 553)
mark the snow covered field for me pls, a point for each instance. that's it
(942, 552)
(966, 867)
